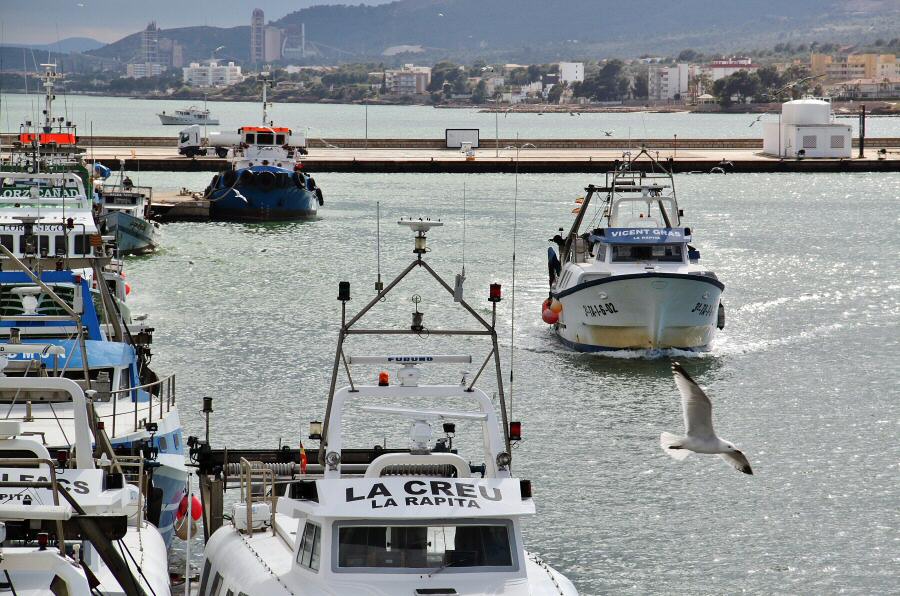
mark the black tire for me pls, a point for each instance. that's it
(248, 177)
(320, 196)
(190, 153)
(229, 178)
(222, 152)
(266, 180)
(299, 182)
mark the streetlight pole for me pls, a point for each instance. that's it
(366, 104)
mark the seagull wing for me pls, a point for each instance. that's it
(738, 461)
(697, 407)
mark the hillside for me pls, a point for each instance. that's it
(545, 30)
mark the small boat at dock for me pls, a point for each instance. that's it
(125, 214)
(626, 275)
(265, 180)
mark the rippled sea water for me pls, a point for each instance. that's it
(804, 377)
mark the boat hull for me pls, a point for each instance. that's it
(134, 236)
(640, 311)
(249, 201)
(169, 119)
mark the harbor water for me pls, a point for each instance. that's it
(804, 377)
(120, 116)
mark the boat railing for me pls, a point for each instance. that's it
(56, 511)
(133, 471)
(159, 403)
(257, 485)
(165, 396)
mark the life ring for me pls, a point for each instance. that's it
(266, 180)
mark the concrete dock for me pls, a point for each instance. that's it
(533, 156)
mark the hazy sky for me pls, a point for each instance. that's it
(46, 21)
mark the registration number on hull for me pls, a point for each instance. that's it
(702, 309)
(599, 310)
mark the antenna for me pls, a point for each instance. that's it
(379, 285)
(512, 326)
(461, 277)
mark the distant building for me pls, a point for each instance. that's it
(143, 69)
(719, 69)
(875, 88)
(571, 72)
(805, 129)
(257, 37)
(274, 42)
(212, 74)
(854, 66)
(177, 55)
(148, 62)
(669, 82)
(409, 80)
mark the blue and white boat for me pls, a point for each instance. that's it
(627, 276)
(125, 214)
(265, 180)
(59, 288)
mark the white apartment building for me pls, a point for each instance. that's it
(212, 74)
(409, 80)
(669, 82)
(719, 69)
(571, 72)
(140, 70)
(274, 42)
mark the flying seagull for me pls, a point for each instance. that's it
(758, 118)
(701, 438)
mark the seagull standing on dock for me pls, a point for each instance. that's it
(701, 438)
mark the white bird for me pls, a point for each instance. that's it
(701, 438)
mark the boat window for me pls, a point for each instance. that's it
(250, 138)
(422, 547)
(163, 444)
(7, 241)
(81, 245)
(600, 249)
(59, 245)
(279, 139)
(264, 138)
(663, 253)
(38, 243)
(309, 547)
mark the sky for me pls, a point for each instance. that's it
(48, 21)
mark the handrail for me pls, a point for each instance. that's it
(248, 472)
(144, 386)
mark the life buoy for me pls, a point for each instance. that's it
(266, 180)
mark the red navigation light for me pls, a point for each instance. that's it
(495, 294)
(384, 379)
(515, 431)
(62, 457)
(43, 539)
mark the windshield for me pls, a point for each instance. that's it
(629, 253)
(433, 546)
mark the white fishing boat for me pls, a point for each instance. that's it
(439, 516)
(186, 116)
(125, 214)
(626, 276)
(70, 524)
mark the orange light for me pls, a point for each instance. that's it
(384, 379)
(127, 289)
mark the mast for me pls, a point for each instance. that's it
(266, 79)
(50, 75)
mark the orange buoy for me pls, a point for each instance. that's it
(549, 316)
(556, 306)
(196, 508)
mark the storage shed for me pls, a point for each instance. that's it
(806, 125)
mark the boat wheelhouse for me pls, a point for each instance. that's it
(442, 515)
(627, 276)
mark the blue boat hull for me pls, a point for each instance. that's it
(251, 198)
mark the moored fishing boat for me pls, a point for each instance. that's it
(124, 214)
(626, 276)
(440, 516)
(265, 179)
(70, 524)
(186, 116)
